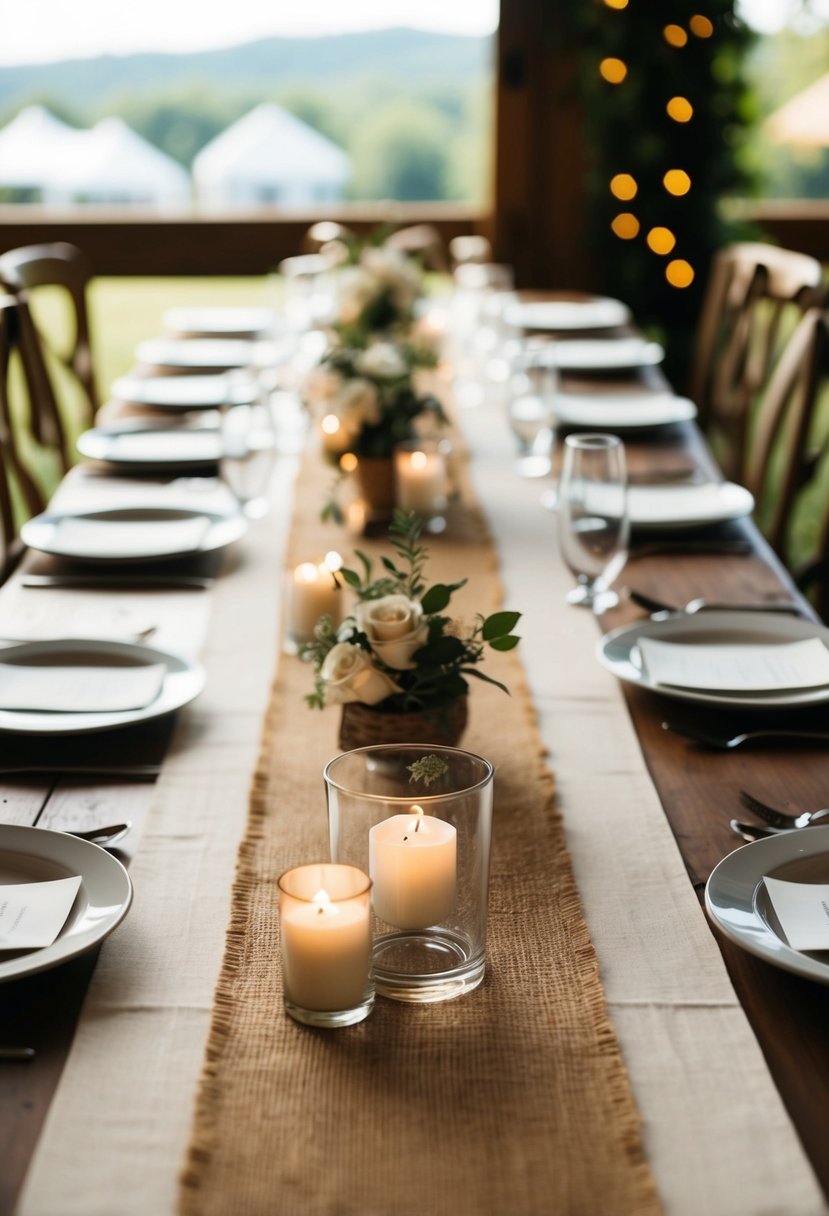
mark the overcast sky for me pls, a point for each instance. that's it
(33, 31)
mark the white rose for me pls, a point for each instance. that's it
(357, 288)
(395, 627)
(358, 405)
(394, 272)
(382, 361)
(349, 676)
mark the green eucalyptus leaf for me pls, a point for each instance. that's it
(436, 598)
(507, 643)
(498, 624)
(351, 577)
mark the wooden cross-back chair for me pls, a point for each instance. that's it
(20, 495)
(24, 272)
(751, 289)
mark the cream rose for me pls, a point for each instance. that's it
(349, 676)
(394, 272)
(395, 627)
(357, 288)
(358, 405)
(382, 361)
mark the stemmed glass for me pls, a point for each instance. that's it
(531, 409)
(593, 520)
(248, 446)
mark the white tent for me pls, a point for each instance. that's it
(804, 119)
(29, 145)
(269, 156)
(111, 163)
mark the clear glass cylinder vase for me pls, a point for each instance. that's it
(418, 819)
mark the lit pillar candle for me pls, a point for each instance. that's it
(313, 592)
(413, 866)
(334, 438)
(421, 480)
(326, 937)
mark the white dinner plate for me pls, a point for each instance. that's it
(181, 392)
(195, 354)
(599, 313)
(617, 412)
(619, 652)
(673, 508)
(183, 681)
(737, 901)
(128, 538)
(219, 322)
(605, 354)
(103, 898)
(148, 446)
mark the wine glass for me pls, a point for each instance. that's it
(248, 448)
(531, 409)
(593, 518)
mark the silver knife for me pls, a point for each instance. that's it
(119, 582)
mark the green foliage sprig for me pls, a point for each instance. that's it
(445, 658)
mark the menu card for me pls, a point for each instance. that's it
(737, 668)
(123, 538)
(71, 689)
(803, 911)
(32, 914)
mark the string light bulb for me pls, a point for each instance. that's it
(613, 70)
(676, 181)
(679, 273)
(680, 109)
(623, 186)
(625, 225)
(701, 26)
(675, 35)
(661, 240)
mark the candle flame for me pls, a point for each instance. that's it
(418, 813)
(419, 460)
(307, 572)
(330, 424)
(322, 900)
(333, 560)
(348, 462)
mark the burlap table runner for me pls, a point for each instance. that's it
(513, 1099)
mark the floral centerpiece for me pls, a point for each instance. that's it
(399, 666)
(376, 293)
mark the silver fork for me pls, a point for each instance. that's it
(727, 742)
(777, 818)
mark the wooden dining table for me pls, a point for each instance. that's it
(727, 1055)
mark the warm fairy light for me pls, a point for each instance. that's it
(674, 35)
(613, 70)
(330, 424)
(701, 26)
(332, 560)
(623, 186)
(661, 240)
(306, 572)
(625, 225)
(679, 273)
(618, 4)
(680, 109)
(676, 181)
(348, 462)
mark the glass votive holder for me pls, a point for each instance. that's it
(421, 480)
(311, 591)
(419, 818)
(325, 934)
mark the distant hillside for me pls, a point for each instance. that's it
(330, 63)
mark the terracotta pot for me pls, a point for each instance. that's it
(375, 477)
(364, 725)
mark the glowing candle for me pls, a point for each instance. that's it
(313, 592)
(413, 866)
(421, 480)
(326, 937)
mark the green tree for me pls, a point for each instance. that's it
(401, 152)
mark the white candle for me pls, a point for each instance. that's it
(421, 480)
(326, 937)
(413, 866)
(313, 592)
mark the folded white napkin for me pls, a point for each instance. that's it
(650, 506)
(76, 689)
(184, 444)
(737, 668)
